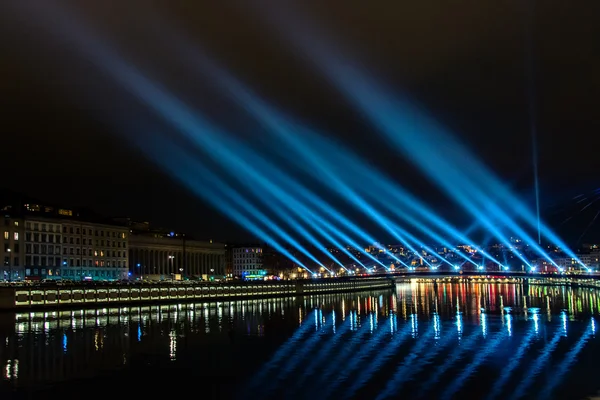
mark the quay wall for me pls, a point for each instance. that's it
(89, 294)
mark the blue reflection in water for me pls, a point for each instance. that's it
(347, 350)
(400, 375)
(480, 357)
(407, 370)
(325, 350)
(452, 358)
(569, 359)
(508, 318)
(363, 354)
(539, 363)
(382, 357)
(483, 319)
(65, 341)
(415, 325)
(514, 363)
(303, 352)
(139, 333)
(281, 353)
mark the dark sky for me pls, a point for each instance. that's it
(465, 62)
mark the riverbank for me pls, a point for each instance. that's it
(89, 294)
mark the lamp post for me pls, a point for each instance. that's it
(171, 259)
(140, 273)
(9, 266)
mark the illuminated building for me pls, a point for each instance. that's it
(160, 256)
(43, 247)
(11, 248)
(248, 262)
(94, 251)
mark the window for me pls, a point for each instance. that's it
(17, 248)
(71, 229)
(36, 226)
(27, 260)
(15, 261)
(5, 235)
(77, 231)
(28, 236)
(43, 227)
(28, 225)
(67, 213)
(64, 229)
(44, 237)
(16, 236)
(6, 260)
(16, 223)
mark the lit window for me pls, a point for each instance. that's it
(5, 235)
(16, 235)
(16, 223)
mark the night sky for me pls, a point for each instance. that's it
(465, 62)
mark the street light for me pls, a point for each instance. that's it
(140, 274)
(9, 266)
(171, 258)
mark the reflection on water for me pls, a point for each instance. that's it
(422, 341)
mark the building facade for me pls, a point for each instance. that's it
(247, 262)
(94, 251)
(43, 247)
(164, 257)
(11, 248)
